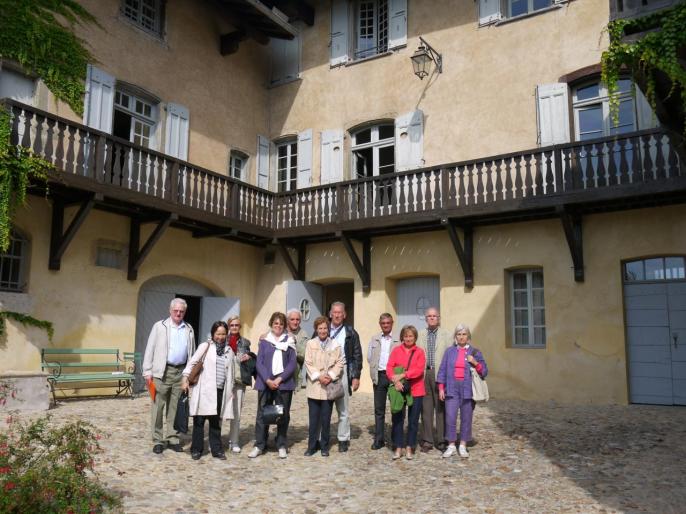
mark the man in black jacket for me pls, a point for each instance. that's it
(349, 340)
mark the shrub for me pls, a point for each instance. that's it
(49, 469)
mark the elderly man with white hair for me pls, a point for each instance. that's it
(293, 320)
(170, 346)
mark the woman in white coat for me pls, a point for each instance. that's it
(210, 399)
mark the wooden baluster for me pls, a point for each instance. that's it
(578, 175)
(426, 201)
(412, 181)
(391, 207)
(672, 159)
(635, 167)
(461, 189)
(402, 198)
(571, 164)
(452, 195)
(59, 149)
(647, 171)
(498, 186)
(235, 202)
(471, 176)
(436, 180)
(488, 171)
(509, 168)
(549, 167)
(660, 165)
(528, 178)
(605, 178)
(134, 176)
(538, 173)
(518, 188)
(479, 183)
(623, 161)
(80, 152)
(49, 143)
(69, 158)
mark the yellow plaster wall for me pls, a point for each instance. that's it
(482, 104)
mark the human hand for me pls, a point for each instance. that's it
(244, 357)
(398, 386)
(471, 360)
(184, 384)
(441, 395)
(356, 384)
(324, 379)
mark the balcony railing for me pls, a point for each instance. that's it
(635, 164)
(627, 9)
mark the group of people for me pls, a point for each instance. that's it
(426, 373)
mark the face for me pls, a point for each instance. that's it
(219, 335)
(386, 325)
(462, 337)
(433, 319)
(322, 331)
(409, 339)
(277, 327)
(337, 315)
(177, 312)
(235, 326)
(293, 322)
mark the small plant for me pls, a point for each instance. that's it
(7, 390)
(49, 469)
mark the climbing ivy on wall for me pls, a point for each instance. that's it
(25, 320)
(657, 49)
(38, 35)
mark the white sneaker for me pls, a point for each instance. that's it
(255, 452)
(463, 452)
(449, 451)
(236, 449)
(283, 453)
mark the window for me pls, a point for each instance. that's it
(527, 314)
(491, 11)
(17, 86)
(286, 166)
(147, 14)
(371, 28)
(592, 110)
(134, 119)
(519, 7)
(373, 150)
(238, 163)
(109, 254)
(658, 268)
(13, 264)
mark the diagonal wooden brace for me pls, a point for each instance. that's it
(571, 223)
(298, 271)
(364, 266)
(59, 241)
(136, 254)
(464, 254)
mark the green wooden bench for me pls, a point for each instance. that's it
(98, 367)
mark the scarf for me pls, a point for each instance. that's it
(233, 342)
(280, 345)
(221, 348)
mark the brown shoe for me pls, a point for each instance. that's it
(426, 447)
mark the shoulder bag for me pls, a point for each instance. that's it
(272, 413)
(334, 390)
(194, 375)
(406, 383)
(479, 386)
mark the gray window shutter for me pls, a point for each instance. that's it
(304, 159)
(99, 99)
(339, 32)
(176, 135)
(397, 29)
(646, 116)
(331, 156)
(285, 57)
(489, 11)
(263, 162)
(552, 108)
(409, 141)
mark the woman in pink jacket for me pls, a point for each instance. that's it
(412, 359)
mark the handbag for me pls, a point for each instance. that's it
(479, 386)
(194, 375)
(406, 383)
(334, 390)
(273, 412)
(182, 414)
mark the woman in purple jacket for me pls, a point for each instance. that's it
(454, 381)
(276, 361)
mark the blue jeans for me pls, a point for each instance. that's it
(398, 420)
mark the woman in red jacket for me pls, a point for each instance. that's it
(412, 360)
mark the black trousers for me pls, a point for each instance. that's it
(266, 397)
(215, 433)
(380, 395)
(320, 420)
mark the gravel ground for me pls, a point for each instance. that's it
(528, 457)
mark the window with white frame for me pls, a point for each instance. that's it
(527, 315)
(238, 164)
(592, 117)
(13, 264)
(519, 7)
(491, 11)
(134, 119)
(371, 27)
(147, 14)
(286, 165)
(373, 150)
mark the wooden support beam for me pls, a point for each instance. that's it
(229, 43)
(59, 240)
(298, 271)
(202, 234)
(137, 254)
(464, 254)
(571, 223)
(364, 266)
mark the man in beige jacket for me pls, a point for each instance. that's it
(170, 346)
(434, 340)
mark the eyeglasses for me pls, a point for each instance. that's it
(235, 325)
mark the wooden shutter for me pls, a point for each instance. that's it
(16, 86)
(339, 32)
(409, 141)
(304, 159)
(285, 57)
(553, 114)
(489, 11)
(176, 140)
(331, 156)
(99, 99)
(646, 116)
(263, 162)
(397, 29)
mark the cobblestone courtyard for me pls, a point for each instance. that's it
(528, 458)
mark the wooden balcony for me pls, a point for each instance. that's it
(628, 9)
(565, 181)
